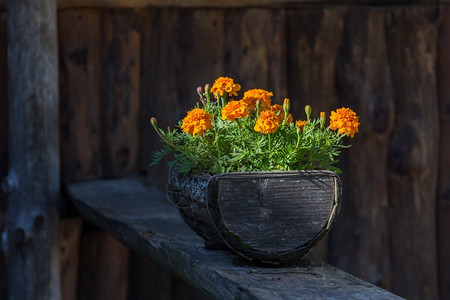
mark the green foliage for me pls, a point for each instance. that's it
(236, 147)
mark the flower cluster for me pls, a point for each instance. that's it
(197, 121)
(253, 134)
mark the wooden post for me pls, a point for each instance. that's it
(33, 182)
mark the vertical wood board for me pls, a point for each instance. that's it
(200, 52)
(443, 190)
(103, 267)
(121, 92)
(255, 50)
(159, 85)
(4, 163)
(31, 219)
(80, 93)
(69, 248)
(413, 151)
(363, 83)
(313, 38)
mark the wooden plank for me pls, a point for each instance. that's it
(413, 150)
(443, 189)
(121, 93)
(159, 88)
(363, 83)
(33, 182)
(149, 281)
(63, 4)
(80, 93)
(314, 38)
(69, 245)
(200, 31)
(140, 216)
(103, 267)
(4, 163)
(251, 57)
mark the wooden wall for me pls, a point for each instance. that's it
(119, 67)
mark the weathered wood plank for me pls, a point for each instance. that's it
(69, 245)
(149, 281)
(32, 217)
(140, 217)
(251, 58)
(314, 38)
(121, 92)
(4, 164)
(159, 30)
(3, 113)
(202, 61)
(63, 4)
(103, 267)
(80, 93)
(364, 84)
(413, 150)
(443, 189)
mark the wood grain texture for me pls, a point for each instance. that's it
(149, 225)
(255, 50)
(80, 93)
(413, 151)
(4, 163)
(149, 281)
(314, 37)
(273, 216)
(121, 92)
(103, 267)
(443, 189)
(159, 31)
(69, 248)
(199, 62)
(223, 3)
(363, 83)
(32, 216)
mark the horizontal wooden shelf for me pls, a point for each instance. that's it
(141, 217)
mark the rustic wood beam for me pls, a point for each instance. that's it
(63, 4)
(33, 182)
(141, 217)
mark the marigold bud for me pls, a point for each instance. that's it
(207, 88)
(154, 122)
(308, 110)
(322, 119)
(200, 91)
(286, 106)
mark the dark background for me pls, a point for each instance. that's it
(391, 64)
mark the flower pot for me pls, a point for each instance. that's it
(274, 217)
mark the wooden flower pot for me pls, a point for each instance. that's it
(274, 217)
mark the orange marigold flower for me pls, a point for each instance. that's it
(300, 124)
(234, 110)
(279, 111)
(197, 121)
(344, 120)
(225, 85)
(267, 122)
(251, 96)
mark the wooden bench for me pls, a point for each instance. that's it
(141, 217)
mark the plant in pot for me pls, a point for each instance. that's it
(245, 175)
